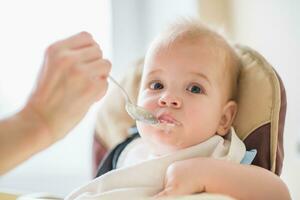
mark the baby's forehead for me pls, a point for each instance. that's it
(215, 57)
(198, 48)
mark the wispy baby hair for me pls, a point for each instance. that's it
(190, 29)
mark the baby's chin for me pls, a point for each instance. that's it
(163, 139)
(159, 144)
(161, 149)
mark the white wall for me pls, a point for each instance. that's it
(137, 22)
(273, 28)
(27, 28)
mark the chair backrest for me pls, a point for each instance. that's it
(259, 121)
(262, 107)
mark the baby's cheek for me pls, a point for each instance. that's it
(147, 102)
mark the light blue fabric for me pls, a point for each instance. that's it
(249, 157)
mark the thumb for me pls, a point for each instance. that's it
(166, 192)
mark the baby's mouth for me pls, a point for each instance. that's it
(168, 120)
(167, 123)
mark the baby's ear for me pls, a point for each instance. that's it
(227, 117)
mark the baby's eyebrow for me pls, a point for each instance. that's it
(154, 71)
(203, 76)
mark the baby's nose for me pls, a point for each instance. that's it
(170, 101)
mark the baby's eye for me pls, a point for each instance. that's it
(193, 88)
(156, 85)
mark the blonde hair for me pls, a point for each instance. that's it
(188, 29)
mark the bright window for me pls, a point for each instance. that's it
(27, 28)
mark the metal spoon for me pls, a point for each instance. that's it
(136, 112)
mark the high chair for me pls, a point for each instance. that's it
(259, 121)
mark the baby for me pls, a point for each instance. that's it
(189, 82)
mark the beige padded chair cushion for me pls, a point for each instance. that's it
(262, 107)
(259, 102)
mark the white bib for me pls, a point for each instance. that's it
(145, 179)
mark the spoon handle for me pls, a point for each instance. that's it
(122, 89)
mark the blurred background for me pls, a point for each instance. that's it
(124, 29)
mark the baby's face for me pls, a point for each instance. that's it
(183, 86)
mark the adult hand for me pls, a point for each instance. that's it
(73, 76)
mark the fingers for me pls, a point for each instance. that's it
(83, 41)
(97, 73)
(97, 69)
(77, 50)
(73, 77)
(85, 51)
(77, 41)
(101, 86)
(88, 54)
(79, 57)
